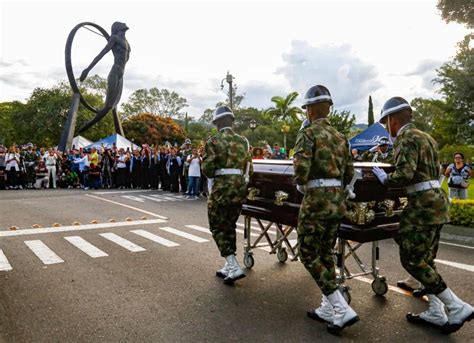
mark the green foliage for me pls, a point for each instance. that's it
(370, 118)
(342, 121)
(283, 109)
(460, 11)
(162, 102)
(446, 154)
(149, 128)
(462, 212)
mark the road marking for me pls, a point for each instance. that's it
(132, 197)
(155, 238)
(468, 267)
(184, 234)
(457, 245)
(23, 232)
(127, 206)
(85, 246)
(268, 249)
(200, 229)
(4, 264)
(243, 233)
(123, 192)
(124, 243)
(255, 228)
(152, 198)
(45, 254)
(166, 197)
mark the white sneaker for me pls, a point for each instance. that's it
(324, 313)
(235, 272)
(458, 312)
(434, 315)
(344, 315)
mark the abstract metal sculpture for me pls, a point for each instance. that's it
(121, 51)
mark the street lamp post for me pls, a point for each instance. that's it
(253, 126)
(285, 128)
(229, 79)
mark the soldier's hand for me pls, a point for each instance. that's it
(301, 188)
(380, 174)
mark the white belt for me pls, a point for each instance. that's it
(423, 186)
(228, 171)
(318, 183)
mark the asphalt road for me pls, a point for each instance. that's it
(139, 266)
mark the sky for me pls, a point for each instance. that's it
(356, 48)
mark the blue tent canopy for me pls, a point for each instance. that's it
(369, 137)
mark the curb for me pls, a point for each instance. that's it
(458, 234)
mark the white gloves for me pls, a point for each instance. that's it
(381, 174)
(350, 192)
(301, 188)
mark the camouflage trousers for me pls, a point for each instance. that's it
(316, 252)
(222, 219)
(418, 248)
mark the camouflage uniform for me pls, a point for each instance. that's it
(384, 158)
(321, 152)
(225, 150)
(416, 160)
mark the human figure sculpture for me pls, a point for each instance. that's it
(121, 50)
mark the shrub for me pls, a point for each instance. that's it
(462, 212)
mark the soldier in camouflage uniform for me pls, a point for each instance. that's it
(322, 164)
(226, 159)
(379, 153)
(417, 169)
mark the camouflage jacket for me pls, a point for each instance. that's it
(227, 150)
(416, 160)
(321, 152)
(379, 157)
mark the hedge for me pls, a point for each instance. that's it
(462, 212)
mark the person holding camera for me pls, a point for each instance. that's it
(458, 174)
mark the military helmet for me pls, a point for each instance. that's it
(383, 141)
(316, 94)
(221, 112)
(393, 105)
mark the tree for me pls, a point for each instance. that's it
(162, 102)
(342, 121)
(460, 11)
(371, 112)
(151, 129)
(283, 109)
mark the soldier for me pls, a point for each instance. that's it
(417, 168)
(227, 160)
(380, 152)
(322, 164)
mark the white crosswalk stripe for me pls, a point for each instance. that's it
(4, 264)
(200, 229)
(124, 243)
(45, 254)
(85, 246)
(184, 234)
(155, 238)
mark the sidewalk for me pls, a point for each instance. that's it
(458, 234)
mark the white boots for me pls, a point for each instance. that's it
(458, 311)
(434, 315)
(231, 271)
(344, 315)
(324, 313)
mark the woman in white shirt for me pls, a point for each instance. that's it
(194, 173)
(12, 168)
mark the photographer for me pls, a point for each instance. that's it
(194, 173)
(458, 174)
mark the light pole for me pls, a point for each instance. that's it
(285, 128)
(253, 126)
(229, 79)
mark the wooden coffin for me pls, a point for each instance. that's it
(372, 215)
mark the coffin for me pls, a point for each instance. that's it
(372, 215)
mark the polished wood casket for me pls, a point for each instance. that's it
(372, 215)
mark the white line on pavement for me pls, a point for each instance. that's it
(468, 267)
(152, 198)
(243, 232)
(268, 249)
(255, 228)
(457, 245)
(24, 232)
(200, 229)
(127, 206)
(124, 243)
(133, 197)
(155, 238)
(45, 254)
(4, 264)
(184, 234)
(85, 246)
(123, 192)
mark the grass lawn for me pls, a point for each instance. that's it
(470, 190)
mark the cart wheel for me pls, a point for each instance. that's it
(345, 293)
(282, 255)
(249, 261)
(379, 286)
